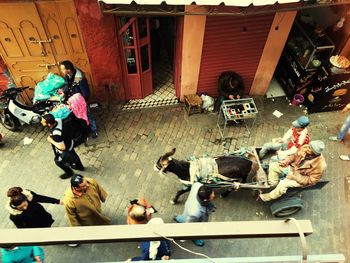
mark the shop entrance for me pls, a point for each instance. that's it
(148, 51)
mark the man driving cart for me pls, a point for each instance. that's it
(303, 168)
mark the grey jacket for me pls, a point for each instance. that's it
(195, 210)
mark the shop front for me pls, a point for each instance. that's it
(312, 67)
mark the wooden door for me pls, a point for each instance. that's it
(134, 35)
(25, 45)
(34, 37)
(60, 21)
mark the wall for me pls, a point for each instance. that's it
(100, 37)
(274, 45)
(192, 43)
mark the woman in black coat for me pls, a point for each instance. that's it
(25, 210)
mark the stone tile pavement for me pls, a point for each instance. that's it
(122, 157)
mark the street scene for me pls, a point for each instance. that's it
(140, 114)
(121, 159)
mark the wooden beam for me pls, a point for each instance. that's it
(126, 233)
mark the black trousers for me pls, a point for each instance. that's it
(67, 158)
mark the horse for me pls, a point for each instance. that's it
(221, 172)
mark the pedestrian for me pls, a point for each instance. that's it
(197, 207)
(22, 254)
(303, 168)
(154, 250)
(345, 128)
(25, 210)
(139, 212)
(76, 82)
(297, 136)
(230, 86)
(63, 145)
(82, 202)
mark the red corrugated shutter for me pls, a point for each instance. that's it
(228, 47)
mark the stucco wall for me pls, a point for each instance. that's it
(100, 38)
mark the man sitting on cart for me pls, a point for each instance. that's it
(297, 136)
(303, 168)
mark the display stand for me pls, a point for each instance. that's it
(232, 111)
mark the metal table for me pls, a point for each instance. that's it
(231, 111)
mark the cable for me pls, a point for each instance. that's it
(185, 249)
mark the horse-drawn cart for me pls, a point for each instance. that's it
(239, 170)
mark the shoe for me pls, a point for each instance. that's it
(75, 167)
(72, 245)
(333, 138)
(198, 242)
(94, 134)
(174, 218)
(265, 197)
(65, 176)
(344, 157)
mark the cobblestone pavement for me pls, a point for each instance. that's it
(122, 159)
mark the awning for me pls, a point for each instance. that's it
(200, 2)
(214, 7)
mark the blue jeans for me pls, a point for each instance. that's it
(344, 129)
(92, 121)
(197, 242)
(272, 146)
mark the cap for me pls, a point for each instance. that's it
(317, 147)
(301, 122)
(76, 180)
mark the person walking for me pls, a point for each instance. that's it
(22, 254)
(25, 210)
(197, 207)
(76, 82)
(303, 168)
(345, 128)
(297, 136)
(140, 212)
(62, 145)
(82, 202)
(154, 250)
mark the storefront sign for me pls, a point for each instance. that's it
(337, 85)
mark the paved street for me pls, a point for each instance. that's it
(121, 159)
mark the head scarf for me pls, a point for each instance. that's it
(78, 106)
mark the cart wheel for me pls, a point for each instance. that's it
(287, 206)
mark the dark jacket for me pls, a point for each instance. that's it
(35, 216)
(226, 89)
(163, 250)
(76, 83)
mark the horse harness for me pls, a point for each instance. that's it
(205, 170)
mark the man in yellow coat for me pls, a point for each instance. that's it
(82, 202)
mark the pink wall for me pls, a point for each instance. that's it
(101, 42)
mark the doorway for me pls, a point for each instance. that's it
(157, 88)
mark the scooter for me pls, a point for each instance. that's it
(13, 113)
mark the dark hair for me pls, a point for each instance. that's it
(68, 65)
(17, 200)
(76, 180)
(49, 118)
(204, 192)
(14, 191)
(139, 217)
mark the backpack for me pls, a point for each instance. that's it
(79, 129)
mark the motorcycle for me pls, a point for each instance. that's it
(14, 113)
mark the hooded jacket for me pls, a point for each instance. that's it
(35, 215)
